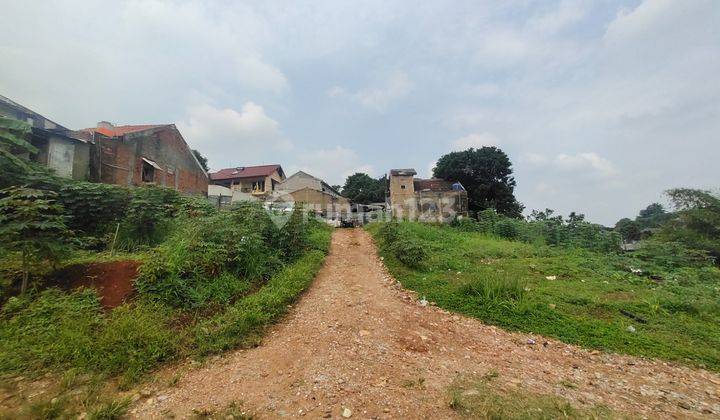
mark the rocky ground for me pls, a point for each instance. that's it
(358, 345)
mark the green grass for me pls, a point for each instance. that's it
(505, 283)
(242, 323)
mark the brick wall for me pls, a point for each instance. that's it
(120, 160)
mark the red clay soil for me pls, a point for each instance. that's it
(113, 281)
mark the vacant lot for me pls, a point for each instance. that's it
(595, 300)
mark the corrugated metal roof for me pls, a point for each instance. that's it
(245, 172)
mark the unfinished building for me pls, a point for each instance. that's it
(427, 200)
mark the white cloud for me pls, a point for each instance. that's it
(392, 88)
(256, 74)
(335, 92)
(534, 159)
(476, 140)
(583, 162)
(225, 135)
(333, 165)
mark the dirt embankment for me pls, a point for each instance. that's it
(113, 280)
(358, 344)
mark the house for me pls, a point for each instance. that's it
(259, 181)
(58, 148)
(428, 200)
(144, 155)
(314, 193)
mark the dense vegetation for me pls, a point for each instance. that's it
(210, 279)
(564, 279)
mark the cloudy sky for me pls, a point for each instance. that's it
(601, 105)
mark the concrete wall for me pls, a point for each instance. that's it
(69, 158)
(299, 181)
(119, 160)
(402, 197)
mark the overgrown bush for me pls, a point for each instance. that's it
(207, 255)
(466, 224)
(93, 208)
(409, 251)
(148, 219)
(293, 236)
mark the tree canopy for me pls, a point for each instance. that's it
(202, 159)
(364, 189)
(486, 174)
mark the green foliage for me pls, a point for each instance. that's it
(93, 209)
(56, 330)
(486, 174)
(241, 323)
(201, 159)
(32, 224)
(403, 246)
(628, 229)
(133, 340)
(671, 255)
(652, 216)
(569, 292)
(362, 188)
(697, 221)
(293, 237)
(207, 260)
(14, 141)
(148, 218)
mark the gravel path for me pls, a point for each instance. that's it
(358, 341)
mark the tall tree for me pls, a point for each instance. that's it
(652, 216)
(628, 229)
(486, 174)
(364, 189)
(696, 222)
(202, 159)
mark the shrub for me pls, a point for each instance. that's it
(293, 238)
(147, 221)
(94, 208)
(410, 252)
(31, 223)
(183, 271)
(507, 228)
(669, 255)
(466, 224)
(389, 232)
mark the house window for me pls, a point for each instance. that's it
(258, 186)
(148, 172)
(402, 187)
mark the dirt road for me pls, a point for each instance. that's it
(356, 340)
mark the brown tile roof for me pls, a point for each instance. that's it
(433, 184)
(120, 130)
(245, 172)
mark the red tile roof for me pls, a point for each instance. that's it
(245, 172)
(433, 184)
(120, 130)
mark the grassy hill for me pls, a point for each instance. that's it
(606, 301)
